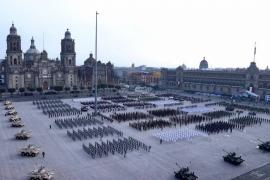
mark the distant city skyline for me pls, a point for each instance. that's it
(151, 33)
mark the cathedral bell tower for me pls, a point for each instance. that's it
(68, 60)
(68, 55)
(14, 51)
(15, 77)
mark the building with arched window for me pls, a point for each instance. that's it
(33, 69)
(218, 81)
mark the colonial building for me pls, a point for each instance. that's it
(105, 73)
(2, 74)
(144, 78)
(218, 81)
(34, 69)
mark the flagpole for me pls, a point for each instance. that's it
(96, 68)
(254, 51)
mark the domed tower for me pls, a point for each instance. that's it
(68, 55)
(203, 64)
(31, 54)
(14, 51)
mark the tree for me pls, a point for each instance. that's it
(31, 89)
(75, 88)
(2, 91)
(58, 88)
(21, 90)
(67, 88)
(39, 89)
(11, 90)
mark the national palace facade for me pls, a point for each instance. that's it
(34, 69)
(218, 81)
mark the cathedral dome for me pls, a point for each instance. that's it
(13, 30)
(67, 34)
(32, 49)
(90, 60)
(204, 64)
(253, 67)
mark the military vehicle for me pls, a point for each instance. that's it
(14, 118)
(229, 108)
(40, 174)
(9, 107)
(264, 145)
(252, 113)
(11, 112)
(7, 103)
(84, 108)
(23, 135)
(17, 124)
(232, 158)
(184, 174)
(30, 150)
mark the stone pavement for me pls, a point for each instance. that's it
(68, 160)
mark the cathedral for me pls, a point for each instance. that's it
(33, 69)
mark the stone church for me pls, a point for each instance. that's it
(34, 69)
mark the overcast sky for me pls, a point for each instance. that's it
(155, 33)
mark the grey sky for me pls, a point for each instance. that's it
(151, 32)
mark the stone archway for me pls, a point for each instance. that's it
(45, 85)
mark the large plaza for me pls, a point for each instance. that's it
(183, 144)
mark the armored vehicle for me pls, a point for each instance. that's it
(11, 112)
(232, 158)
(23, 135)
(40, 174)
(30, 150)
(17, 124)
(84, 108)
(9, 107)
(264, 145)
(184, 174)
(14, 118)
(7, 103)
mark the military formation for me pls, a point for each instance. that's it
(95, 132)
(248, 120)
(72, 122)
(186, 119)
(129, 116)
(140, 105)
(56, 108)
(121, 146)
(218, 114)
(109, 107)
(216, 127)
(164, 112)
(151, 124)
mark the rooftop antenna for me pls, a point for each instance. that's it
(254, 51)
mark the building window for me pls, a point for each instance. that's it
(70, 62)
(15, 61)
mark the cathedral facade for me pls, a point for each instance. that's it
(33, 69)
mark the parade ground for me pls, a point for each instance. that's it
(201, 152)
